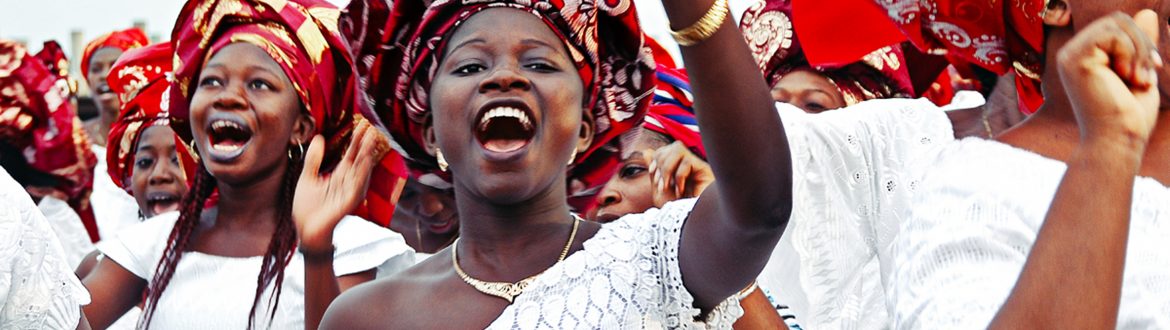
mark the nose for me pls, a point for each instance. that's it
(429, 205)
(609, 197)
(231, 97)
(163, 172)
(503, 79)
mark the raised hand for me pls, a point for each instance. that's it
(1110, 72)
(322, 199)
(678, 173)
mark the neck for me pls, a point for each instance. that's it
(251, 205)
(510, 242)
(1053, 130)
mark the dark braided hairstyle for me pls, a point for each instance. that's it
(280, 248)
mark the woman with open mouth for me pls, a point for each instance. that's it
(257, 242)
(113, 209)
(154, 165)
(509, 96)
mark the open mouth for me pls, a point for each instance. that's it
(103, 89)
(162, 202)
(505, 128)
(228, 138)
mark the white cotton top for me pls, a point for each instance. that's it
(980, 209)
(854, 171)
(37, 287)
(113, 208)
(216, 292)
(627, 276)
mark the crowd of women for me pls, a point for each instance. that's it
(544, 164)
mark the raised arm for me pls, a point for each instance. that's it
(320, 202)
(732, 229)
(1073, 275)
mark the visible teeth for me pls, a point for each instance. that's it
(505, 112)
(228, 148)
(219, 124)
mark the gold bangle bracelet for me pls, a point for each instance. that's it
(705, 27)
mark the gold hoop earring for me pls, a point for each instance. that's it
(439, 159)
(573, 156)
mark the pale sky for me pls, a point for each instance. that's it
(34, 21)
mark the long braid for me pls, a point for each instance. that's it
(178, 241)
(280, 248)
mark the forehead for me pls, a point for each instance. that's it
(106, 54)
(242, 53)
(503, 26)
(803, 79)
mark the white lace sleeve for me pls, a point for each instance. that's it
(662, 231)
(37, 288)
(361, 245)
(65, 222)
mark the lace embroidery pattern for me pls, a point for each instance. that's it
(627, 276)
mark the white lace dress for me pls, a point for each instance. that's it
(216, 292)
(855, 171)
(981, 207)
(37, 288)
(626, 277)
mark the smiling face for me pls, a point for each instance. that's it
(99, 67)
(245, 115)
(808, 90)
(157, 181)
(507, 106)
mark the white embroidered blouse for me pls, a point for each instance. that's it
(854, 171)
(37, 287)
(980, 209)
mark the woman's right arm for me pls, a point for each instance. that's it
(113, 291)
(1109, 72)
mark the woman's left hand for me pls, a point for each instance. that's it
(678, 173)
(322, 199)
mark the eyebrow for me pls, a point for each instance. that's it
(465, 43)
(530, 41)
(632, 155)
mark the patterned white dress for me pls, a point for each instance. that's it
(960, 255)
(626, 277)
(855, 170)
(37, 287)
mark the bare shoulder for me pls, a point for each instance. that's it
(397, 302)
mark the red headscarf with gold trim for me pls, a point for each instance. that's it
(139, 77)
(402, 49)
(125, 40)
(36, 116)
(768, 29)
(302, 37)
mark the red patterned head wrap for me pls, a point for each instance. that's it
(125, 40)
(603, 38)
(768, 29)
(36, 117)
(996, 35)
(302, 37)
(139, 78)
